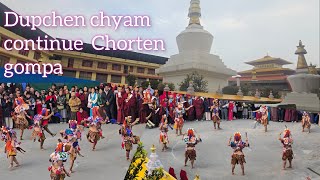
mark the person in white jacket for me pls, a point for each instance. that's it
(92, 100)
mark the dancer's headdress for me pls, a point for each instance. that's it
(73, 124)
(59, 156)
(6, 133)
(191, 133)
(286, 133)
(44, 112)
(237, 136)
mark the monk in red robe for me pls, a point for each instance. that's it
(120, 100)
(130, 105)
(198, 106)
(189, 108)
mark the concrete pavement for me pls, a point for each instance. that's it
(213, 154)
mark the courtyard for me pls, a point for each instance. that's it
(213, 155)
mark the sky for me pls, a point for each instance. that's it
(243, 30)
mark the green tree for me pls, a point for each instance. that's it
(161, 86)
(145, 84)
(199, 84)
(230, 90)
(131, 79)
(154, 84)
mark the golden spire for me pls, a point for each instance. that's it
(194, 12)
(302, 63)
(153, 149)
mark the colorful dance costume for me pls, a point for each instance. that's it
(70, 146)
(164, 140)
(179, 121)
(12, 145)
(128, 139)
(38, 130)
(95, 131)
(264, 117)
(191, 141)
(57, 170)
(19, 117)
(215, 114)
(306, 122)
(287, 153)
(237, 156)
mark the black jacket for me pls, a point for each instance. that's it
(108, 97)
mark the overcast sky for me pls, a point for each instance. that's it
(243, 30)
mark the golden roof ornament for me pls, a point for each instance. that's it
(302, 63)
(194, 12)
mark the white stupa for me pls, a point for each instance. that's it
(194, 45)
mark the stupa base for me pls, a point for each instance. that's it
(304, 101)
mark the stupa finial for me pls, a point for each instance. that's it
(302, 63)
(194, 12)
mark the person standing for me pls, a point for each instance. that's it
(224, 109)
(198, 105)
(230, 110)
(68, 97)
(120, 98)
(7, 110)
(245, 111)
(238, 156)
(215, 113)
(130, 105)
(189, 108)
(92, 100)
(108, 101)
(74, 104)
(287, 153)
(61, 102)
(32, 103)
(306, 121)
(207, 105)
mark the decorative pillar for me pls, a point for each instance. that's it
(240, 93)
(257, 95)
(166, 89)
(190, 89)
(219, 91)
(271, 95)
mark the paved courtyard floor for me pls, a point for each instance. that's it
(213, 155)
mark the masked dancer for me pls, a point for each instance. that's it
(215, 114)
(164, 139)
(128, 139)
(12, 146)
(191, 141)
(287, 153)
(57, 169)
(20, 115)
(95, 131)
(306, 121)
(38, 127)
(238, 156)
